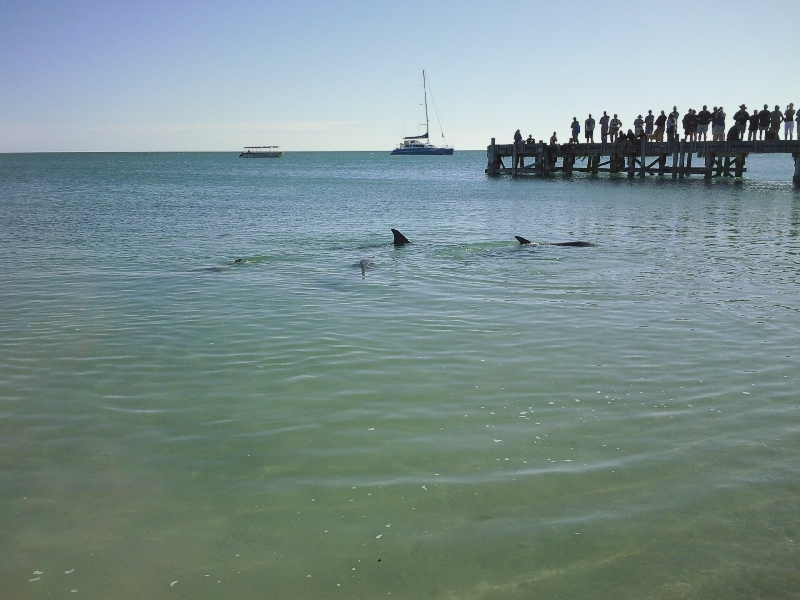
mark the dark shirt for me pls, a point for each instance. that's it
(604, 122)
(776, 117)
(518, 137)
(719, 119)
(733, 134)
(763, 118)
(754, 121)
(661, 120)
(703, 117)
(741, 117)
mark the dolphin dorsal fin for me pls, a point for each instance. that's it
(522, 241)
(399, 238)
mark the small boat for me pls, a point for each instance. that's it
(261, 152)
(419, 144)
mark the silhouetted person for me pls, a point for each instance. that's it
(718, 125)
(788, 123)
(576, 129)
(518, 146)
(672, 125)
(775, 120)
(741, 118)
(649, 122)
(763, 121)
(703, 121)
(734, 133)
(613, 128)
(588, 126)
(604, 127)
(752, 132)
(661, 121)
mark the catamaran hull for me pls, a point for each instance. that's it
(425, 151)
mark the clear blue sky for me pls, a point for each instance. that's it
(145, 75)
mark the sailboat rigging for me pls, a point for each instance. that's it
(420, 144)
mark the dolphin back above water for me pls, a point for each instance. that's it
(523, 242)
(399, 238)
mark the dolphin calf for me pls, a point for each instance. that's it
(523, 242)
(399, 238)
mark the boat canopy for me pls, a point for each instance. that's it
(417, 137)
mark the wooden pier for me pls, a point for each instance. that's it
(714, 159)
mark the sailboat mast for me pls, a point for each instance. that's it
(425, 92)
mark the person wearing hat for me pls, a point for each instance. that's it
(788, 123)
(638, 125)
(741, 118)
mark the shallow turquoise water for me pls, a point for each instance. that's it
(488, 420)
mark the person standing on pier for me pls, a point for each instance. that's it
(518, 148)
(553, 139)
(661, 122)
(614, 126)
(741, 118)
(775, 120)
(638, 125)
(687, 125)
(649, 120)
(788, 123)
(763, 121)
(589, 129)
(576, 129)
(675, 114)
(604, 127)
(718, 125)
(752, 133)
(703, 119)
(672, 125)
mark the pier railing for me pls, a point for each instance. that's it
(717, 159)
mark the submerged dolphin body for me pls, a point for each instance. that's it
(365, 264)
(399, 238)
(523, 242)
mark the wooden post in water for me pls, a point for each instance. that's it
(514, 158)
(689, 162)
(662, 163)
(796, 157)
(643, 166)
(709, 165)
(682, 154)
(491, 167)
(569, 161)
(675, 161)
(739, 165)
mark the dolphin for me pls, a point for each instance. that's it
(365, 264)
(399, 238)
(523, 242)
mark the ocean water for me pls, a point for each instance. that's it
(468, 419)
